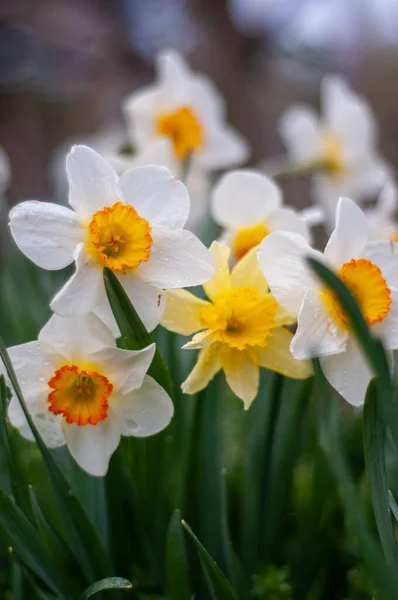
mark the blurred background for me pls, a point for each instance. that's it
(65, 66)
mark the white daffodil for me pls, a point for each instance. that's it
(132, 225)
(342, 143)
(84, 392)
(239, 329)
(186, 109)
(248, 206)
(383, 216)
(370, 271)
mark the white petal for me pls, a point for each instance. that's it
(348, 373)
(287, 219)
(84, 291)
(317, 334)
(93, 445)
(387, 202)
(140, 111)
(387, 330)
(174, 77)
(178, 259)
(299, 130)
(156, 195)
(244, 198)
(348, 115)
(92, 181)
(125, 369)
(385, 256)
(75, 337)
(147, 300)
(33, 371)
(145, 411)
(46, 233)
(281, 257)
(206, 100)
(225, 148)
(350, 236)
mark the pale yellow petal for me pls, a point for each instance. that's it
(206, 368)
(283, 317)
(182, 312)
(241, 373)
(277, 356)
(200, 340)
(221, 282)
(247, 273)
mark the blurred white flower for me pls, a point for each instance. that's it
(185, 108)
(383, 216)
(342, 143)
(370, 271)
(133, 225)
(84, 392)
(248, 206)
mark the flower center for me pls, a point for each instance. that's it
(332, 155)
(119, 238)
(248, 238)
(184, 129)
(240, 317)
(80, 395)
(369, 288)
(394, 237)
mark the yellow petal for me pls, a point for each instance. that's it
(247, 273)
(200, 340)
(283, 317)
(182, 312)
(277, 356)
(241, 373)
(221, 282)
(207, 366)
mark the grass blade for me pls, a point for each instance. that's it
(134, 334)
(374, 448)
(178, 583)
(110, 583)
(218, 584)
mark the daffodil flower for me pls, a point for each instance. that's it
(133, 225)
(341, 143)
(84, 392)
(370, 271)
(383, 216)
(238, 329)
(248, 206)
(185, 109)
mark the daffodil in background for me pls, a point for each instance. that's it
(342, 144)
(383, 216)
(370, 271)
(185, 109)
(84, 392)
(249, 206)
(133, 225)
(239, 329)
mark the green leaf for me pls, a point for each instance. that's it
(25, 575)
(58, 550)
(393, 505)
(134, 334)
(110, 583)
(24, 539)
(384, 579)
(374, 449)
(218, 584)
(178, 585)
(82, 537)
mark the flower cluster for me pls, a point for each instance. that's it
(263, 308)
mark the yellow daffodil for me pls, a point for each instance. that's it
(238, 329)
